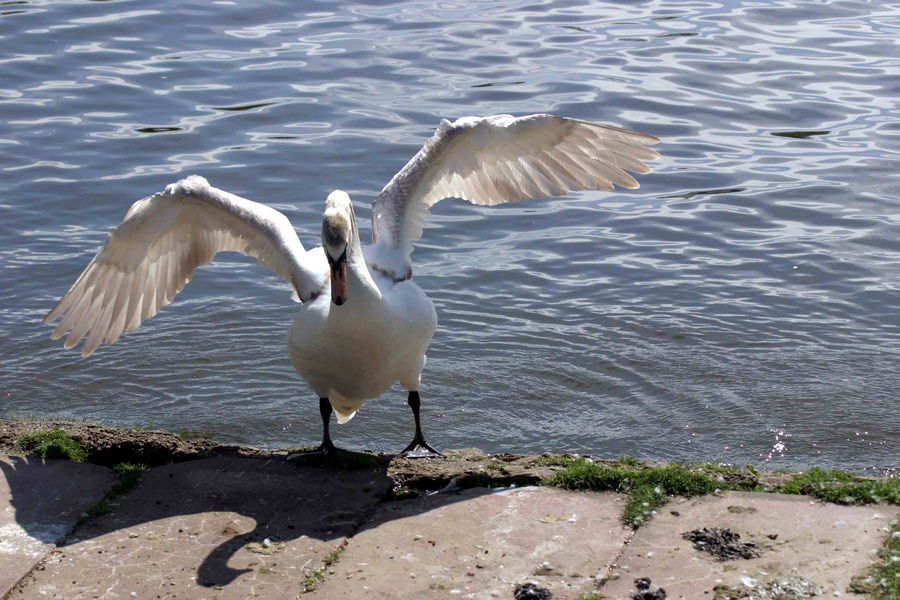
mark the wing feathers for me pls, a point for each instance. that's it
(150, 257)
(119, 312)
(504, 159)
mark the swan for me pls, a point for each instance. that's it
(363, 324)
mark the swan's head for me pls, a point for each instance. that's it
(337, 234)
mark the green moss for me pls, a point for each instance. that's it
(628, 461)
(889, 573)
(592, 595)
(334, 556)
(647, 489)
(494, 466)
(129, 474)
(882, 582)
(841, 487)
(52, 444)
(815, 476)
(313, 579)
(98, 510)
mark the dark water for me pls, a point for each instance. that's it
(741, 306)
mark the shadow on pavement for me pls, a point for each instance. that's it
(198, 516)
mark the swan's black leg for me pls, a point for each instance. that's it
(326, 447)
(418, 447)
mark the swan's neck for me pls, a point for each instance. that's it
(360, 286)
(359, 280)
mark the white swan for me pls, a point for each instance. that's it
(364, 324)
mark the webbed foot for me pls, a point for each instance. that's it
(420, 449)
(324, 449)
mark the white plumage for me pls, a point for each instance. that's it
(350, 342)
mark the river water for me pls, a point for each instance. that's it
(741, 306)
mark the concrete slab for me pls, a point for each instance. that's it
(822, 544)
(478, 544)
(40, 502)
(224, 527)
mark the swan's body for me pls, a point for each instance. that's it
(364, 324)
(391, 326)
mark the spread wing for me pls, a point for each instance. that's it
(152, 254)
(500, 159)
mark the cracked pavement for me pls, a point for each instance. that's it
(242, 527)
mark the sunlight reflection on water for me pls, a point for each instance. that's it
(749, 288)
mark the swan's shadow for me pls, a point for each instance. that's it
(219, 508)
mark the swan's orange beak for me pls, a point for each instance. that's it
(338, 279)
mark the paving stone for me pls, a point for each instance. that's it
(40, 502)
(223, 527)
(798, 541)
(481, 544)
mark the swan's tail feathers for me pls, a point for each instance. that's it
(344, 417)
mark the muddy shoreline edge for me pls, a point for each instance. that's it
(109, 445)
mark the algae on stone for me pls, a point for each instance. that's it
(841, 487)
(647, 488)
(129, 474)
(883, 581)
(313, 578)
(52, 444)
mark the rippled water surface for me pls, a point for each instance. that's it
(741, 306)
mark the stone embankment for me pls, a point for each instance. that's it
(146, 514)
